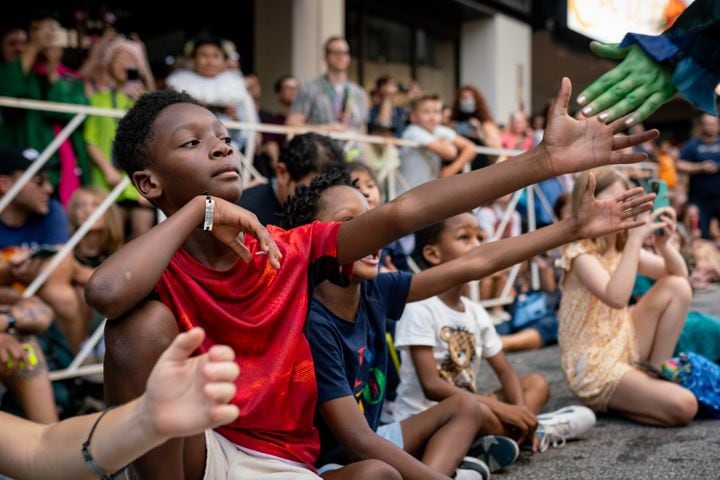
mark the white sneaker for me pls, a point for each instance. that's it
(555, 428)
(472, 469)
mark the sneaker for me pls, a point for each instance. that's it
(495, 451)
(472, 469)
(555, 428)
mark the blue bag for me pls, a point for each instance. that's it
(528, 308)
(699, 375)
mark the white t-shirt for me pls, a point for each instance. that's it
(459, 340)
(420, 165)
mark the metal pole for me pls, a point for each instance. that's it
(40, 161)
(534, 274)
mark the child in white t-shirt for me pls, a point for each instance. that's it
(443, 151)
(443, 339)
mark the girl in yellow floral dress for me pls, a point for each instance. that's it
(601, 339)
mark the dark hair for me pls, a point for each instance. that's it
(427, 236)
(279, 82)
(482, 112)
(302, 208)
(310, 153)
(130, 149)
(201, 40)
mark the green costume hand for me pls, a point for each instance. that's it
(638, 85)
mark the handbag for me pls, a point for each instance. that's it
(699, 375)
(529, 307)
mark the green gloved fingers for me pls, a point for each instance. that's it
(655, 101)
(627, 87)
(614, 94)
(609, 50)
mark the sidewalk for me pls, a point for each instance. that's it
(616, 449)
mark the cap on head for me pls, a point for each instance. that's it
(13, 159)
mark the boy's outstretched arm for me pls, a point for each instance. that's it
(568, 146)
(594, 218)
(130, 274)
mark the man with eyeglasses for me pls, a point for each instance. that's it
(331, 100)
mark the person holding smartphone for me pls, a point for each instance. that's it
(604, 343)
(39, 74)
(121, 77)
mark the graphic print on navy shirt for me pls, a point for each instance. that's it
(351, 357)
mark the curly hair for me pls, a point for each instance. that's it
(427, 236)
(130, 150)
(310, 153)
(303, 207)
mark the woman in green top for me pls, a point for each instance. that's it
(121, 77)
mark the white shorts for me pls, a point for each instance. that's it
(225, 461)
(392, 432)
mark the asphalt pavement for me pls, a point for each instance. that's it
(616, 448)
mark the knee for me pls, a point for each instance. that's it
(378, 469)
(678, 286)
(537, 383)
(465, 405)
(682, 409)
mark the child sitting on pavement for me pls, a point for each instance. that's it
(442, 340)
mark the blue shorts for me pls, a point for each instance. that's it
(546, 326)
(392, 432)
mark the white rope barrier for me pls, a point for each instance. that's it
(392, 175)
(251, 126)
(58, 258)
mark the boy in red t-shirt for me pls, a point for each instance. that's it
(175, 150)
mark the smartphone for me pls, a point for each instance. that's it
(32, 357)
(133, 74)
(44, 251)
(659, 188)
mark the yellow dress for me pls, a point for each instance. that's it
(597, 342)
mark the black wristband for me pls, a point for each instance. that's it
(99, 472)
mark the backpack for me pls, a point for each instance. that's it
(699, 375)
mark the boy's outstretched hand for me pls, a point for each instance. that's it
(576, 145)
(596, 218)
(231, 220)
(638, 85)
(186, 395)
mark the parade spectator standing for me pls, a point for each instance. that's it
(386, 114)
(471, 118)
(700, 157)
(331, 100)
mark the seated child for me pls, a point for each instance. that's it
(181, 159)
(534, 322)
(442, 340)
(602, 341)
(346, 331)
